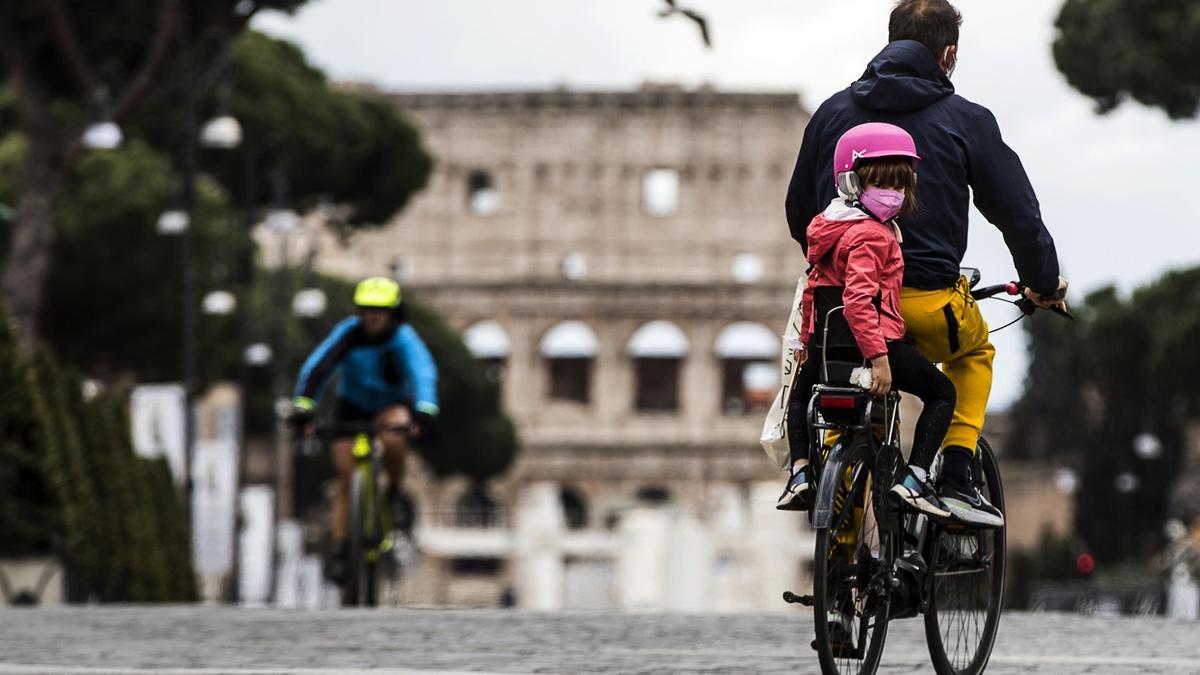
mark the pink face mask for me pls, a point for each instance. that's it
(883, 204)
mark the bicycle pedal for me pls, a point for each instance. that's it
(793, 599)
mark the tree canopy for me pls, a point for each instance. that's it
(1122, 377)
(1147, 50)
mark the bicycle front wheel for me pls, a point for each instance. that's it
(966, 583)
(353, 590)
(850, 604)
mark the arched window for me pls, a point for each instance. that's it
(488, 342)
(482, 197)
(569, 349)
(574, 507)
(657, 349)
(750, 373)
(660, 192)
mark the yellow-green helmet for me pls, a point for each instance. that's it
(377, 292)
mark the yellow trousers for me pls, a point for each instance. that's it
(948, 328)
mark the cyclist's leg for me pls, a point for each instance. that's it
(395, 445)
(343, 462)
(342, 448)
(948, 328)
(915, 374)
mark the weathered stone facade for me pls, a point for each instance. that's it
(543, 208)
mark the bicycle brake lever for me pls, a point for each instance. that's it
(1063, 313)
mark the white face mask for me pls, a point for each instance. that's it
(947, 54)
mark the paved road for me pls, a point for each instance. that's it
(212, 640)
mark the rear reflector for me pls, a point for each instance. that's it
(842, 402)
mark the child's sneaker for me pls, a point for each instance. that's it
(796, 493)
(915, 492)
(969, 506)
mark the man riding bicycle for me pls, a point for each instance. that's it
(387, 377)
(907, 84)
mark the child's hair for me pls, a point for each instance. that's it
(891, 172)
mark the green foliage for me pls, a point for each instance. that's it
(71, 485)
(338, 146)
(1127, 368)
(28, 521)
(304, 141)
(115, 282)
(1145, 50)
(66, 466)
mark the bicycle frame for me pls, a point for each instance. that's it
(367, 455)
(833, 467)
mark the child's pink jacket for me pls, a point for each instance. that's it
(864, 256)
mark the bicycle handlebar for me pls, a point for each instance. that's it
(1026, 305)
(328, 430)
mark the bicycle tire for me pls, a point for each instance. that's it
(940, 622)
(369, 517)
(352, 590)
(830, 577)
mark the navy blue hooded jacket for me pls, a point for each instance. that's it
(960, 146)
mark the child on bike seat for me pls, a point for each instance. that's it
(855, 245)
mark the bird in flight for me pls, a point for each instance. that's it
(691, 14)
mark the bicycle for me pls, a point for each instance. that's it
(875, 562)
(370, 520)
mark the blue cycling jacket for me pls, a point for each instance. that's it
(391, 368)
(961, 151)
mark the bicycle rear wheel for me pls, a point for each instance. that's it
(850, 608)
(966, 583)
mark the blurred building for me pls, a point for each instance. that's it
(621, 261)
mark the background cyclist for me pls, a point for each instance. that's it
(387, 376)
(908, 84)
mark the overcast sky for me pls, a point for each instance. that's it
(1112, 188)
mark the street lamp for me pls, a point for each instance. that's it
(173, 221)
(309, 303)
(103, 135)
(219, 303)
(223, 132)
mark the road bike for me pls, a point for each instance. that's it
(371, 527)
(875, 562)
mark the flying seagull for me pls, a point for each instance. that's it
(691, 14)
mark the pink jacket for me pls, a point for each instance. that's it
(864, 256)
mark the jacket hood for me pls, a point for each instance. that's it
(826, 229)
(902, 78)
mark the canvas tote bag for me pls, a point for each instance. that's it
(774, 438)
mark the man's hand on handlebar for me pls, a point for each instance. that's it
(1056, 300)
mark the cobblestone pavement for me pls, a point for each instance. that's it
(212, 640)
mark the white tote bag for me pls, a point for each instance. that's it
(774, 438)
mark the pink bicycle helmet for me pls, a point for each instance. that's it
(873, 139)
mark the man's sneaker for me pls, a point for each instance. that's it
(797, 492)
(916, 493)
(969, 506)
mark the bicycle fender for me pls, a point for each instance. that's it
(831, 478)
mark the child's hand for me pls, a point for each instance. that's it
(801, 356)
(881, 375)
